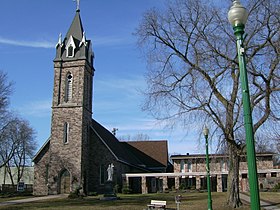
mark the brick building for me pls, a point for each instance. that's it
(192, 168)
(79, 149)
(190, 173)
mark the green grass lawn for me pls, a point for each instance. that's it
(273, 197)
(195, 201)
(3, 199)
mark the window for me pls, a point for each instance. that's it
(273, 174)
(68, 88)
(224, 165)
(244, 176)
(261, 175)
(189, 166)
(66, 133)
(70, 48)
(182, 166)
(70, 51)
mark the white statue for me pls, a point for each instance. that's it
(110, 171)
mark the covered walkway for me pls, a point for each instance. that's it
(158, 182)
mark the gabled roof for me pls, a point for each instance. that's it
(156, 149)
(41, 152)
(145, 155)
(126, 152)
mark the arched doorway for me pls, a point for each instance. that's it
(65, 182)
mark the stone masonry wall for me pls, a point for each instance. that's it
(101, 156)
(77, 113)
(40, 186)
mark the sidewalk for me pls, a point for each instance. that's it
(264, 205)
(27, 200)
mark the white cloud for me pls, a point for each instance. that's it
(22, 43)
(129, 85)
(115, 95)
(36, 109)
(110, 41)
(98, 41)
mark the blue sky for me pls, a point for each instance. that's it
(28, 34)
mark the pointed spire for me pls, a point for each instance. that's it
(74, 46)
(76, 29)
(59, 43)
(83, 42)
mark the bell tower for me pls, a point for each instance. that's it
(71, 110)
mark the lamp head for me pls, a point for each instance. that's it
(205, 131)
(237, 14)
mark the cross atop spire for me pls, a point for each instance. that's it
(78, 5)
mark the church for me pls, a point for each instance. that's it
(79, 150)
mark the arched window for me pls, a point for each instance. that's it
(70, 51)
(66, 133)
(68, 88)
(70, 47)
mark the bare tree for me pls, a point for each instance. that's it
(193, 73)
(16, 135)
(20, 146)
(5, 92)
(136, 137)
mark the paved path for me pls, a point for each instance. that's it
(264, 205)
(27, 200)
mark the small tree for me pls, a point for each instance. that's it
(16, 135)
(20, 145)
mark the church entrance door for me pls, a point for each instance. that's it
(65, 182)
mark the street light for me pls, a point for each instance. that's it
(206, 132)
(237, 16)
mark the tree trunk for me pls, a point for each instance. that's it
(233, 199)
(10, 174)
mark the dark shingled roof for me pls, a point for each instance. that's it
(156, 149)
(126, 152)
(136, 154)
(76, 28)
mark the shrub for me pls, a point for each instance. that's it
(116, 188)
(182, 187)
(75, 194)
(276, 187)
(92, 194)
(126, 190)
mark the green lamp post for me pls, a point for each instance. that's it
(237, 16)
(206, 132)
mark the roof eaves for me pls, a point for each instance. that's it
(42, 147)
(107, 146)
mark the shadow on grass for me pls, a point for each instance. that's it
(195, 201)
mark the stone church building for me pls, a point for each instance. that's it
(79, 149)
